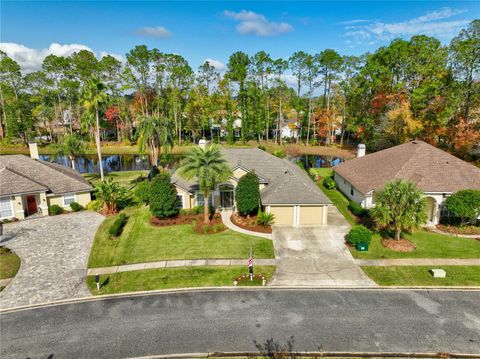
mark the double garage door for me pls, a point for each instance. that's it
(298, 215)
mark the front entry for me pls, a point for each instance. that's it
(226, 199)
(31, 204)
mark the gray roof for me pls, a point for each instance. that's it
(430, 168)
(22, 174)
(286, 183)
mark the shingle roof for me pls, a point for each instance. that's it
(430, 168)
(49, 176)
(287, 183)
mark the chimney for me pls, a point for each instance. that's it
(33, 150)
(202, 143)
(360, 150)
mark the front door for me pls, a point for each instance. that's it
(226, 199)
(31, 204)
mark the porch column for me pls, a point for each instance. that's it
(43, 204)
(18, 209)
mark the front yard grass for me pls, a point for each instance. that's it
(125, 178)
(419, 275)
(429, 245)
(181, 277)
(9, 263)
(142, 242)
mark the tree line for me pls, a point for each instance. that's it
(415, 88)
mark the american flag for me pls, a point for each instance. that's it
(250, 261)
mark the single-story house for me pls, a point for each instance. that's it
(285, 189)
(29, 186)
(437, 173)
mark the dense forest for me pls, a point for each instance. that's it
(408, 89)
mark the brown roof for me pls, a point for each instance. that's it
(430, 168)
(33, 175)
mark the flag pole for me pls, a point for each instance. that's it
(250, 261)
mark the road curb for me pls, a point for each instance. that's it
(231, 289)
(313, 355)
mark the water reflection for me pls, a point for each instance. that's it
(317, 161)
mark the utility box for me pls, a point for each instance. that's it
(361, 247)
(438, 273)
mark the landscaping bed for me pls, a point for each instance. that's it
(401, 245)
(249, 223)
(142, 242)
(181, 277)
(195, 220)
(420, 276)
(468, 230)
(9, 263)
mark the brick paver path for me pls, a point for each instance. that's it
(53, 253)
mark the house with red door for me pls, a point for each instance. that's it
(29, 186)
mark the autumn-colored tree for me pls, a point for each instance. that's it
(401, 125)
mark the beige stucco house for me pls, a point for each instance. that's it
(29, 187)
(285, 189)
(437, 173)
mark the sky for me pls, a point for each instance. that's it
(212, 31)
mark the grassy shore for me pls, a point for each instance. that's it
(182, 277)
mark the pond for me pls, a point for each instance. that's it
(317, 161)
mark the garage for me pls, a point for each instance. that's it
(312, 215)
(298, 215)
(284, 215)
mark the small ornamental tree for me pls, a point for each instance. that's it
(163, 196)
(465, 205)
(247, 194)
(399, 206)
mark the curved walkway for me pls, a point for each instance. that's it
(53, 253)
(226, 221)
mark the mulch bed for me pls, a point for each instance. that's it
(468, 230)
(216, 224)
(249, 223)
(402, 245)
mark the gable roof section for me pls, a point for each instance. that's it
(54, 178)
(12, 182)
(430, 168)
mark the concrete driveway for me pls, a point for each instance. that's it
(54, 253)
(316, 255)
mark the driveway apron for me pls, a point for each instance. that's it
(316, 255)
(54, 253)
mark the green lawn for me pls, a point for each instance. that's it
(9, 263)
(429, 245)
(419, 275)
(124, 178)
(142, 242)
(165, 278)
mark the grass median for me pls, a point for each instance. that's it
(167, 278)
(420, 276)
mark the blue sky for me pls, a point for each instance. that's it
(214, 30)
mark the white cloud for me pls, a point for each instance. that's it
(219, 66)
(31, 59)
(117, 56)
(158, 31)
(257, 24)
(433, 23)
(355, 21)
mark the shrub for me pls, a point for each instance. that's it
(94, 205)
(359, 234)
(111, 194)
(163, 196)
(261, 147)
(117, 226)
(247, 194)
(142, 192)
(55, 209)
(153, 172)
(76, 206)
(279, 153)
(465, 205)
(265, 219)
(357, 209)
(329, 183)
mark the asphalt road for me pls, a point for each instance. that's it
(239, 320)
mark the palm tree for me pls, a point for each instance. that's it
(209, 167)
(94, 96)
(72, 146)
(157, 134)
(399, 206)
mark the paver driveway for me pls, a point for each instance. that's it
(316, 255)
(53, 253)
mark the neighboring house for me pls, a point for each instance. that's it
(285, 189)
(29, 186)
(290, 129)
(437, 173)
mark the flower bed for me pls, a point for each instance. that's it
(468, 230)
(196, 220)
(244, 280)
(249, 223)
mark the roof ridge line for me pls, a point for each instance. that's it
(28, 178)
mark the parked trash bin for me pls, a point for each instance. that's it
(361, 247)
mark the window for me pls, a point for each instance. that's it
(68, 198)
(180, 201)
(200, 200)
(6, 210)
(352, 191)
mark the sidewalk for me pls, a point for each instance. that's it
(178, 263)
(226, 221)
(419, 262)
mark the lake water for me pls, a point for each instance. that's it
(115, 163)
